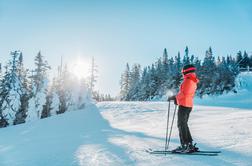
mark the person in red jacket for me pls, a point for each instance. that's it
(184, 99)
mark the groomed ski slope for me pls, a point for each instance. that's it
(117, 133)
(213, 128)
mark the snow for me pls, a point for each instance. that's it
(57, 140)
(241, 99)
(213, 128)
(14, 104)
(36, 103)
(117, 133)
(55, 103)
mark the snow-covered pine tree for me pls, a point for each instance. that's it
(160, 78)
(153, 86)
(64, 85)
(55, 101)
(46, 111)
(135, 76)
(245, 61)
(93, 76)
(10, 91)
(165, 68)
(176, 70)
(166, 72)
(144, 91)
(55, 90)
(250, 61)
(192, 58)
(39, 87)
(239, 58)
(25, 91)
(167, 82)
(3, 93)
(124, 83)
(84, 94)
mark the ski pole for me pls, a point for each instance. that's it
(167, 125)
(171, 126)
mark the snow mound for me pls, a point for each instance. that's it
(241, 99)
(64, 140)
(244, 81)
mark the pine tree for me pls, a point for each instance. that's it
(162, 75)
(64, 90)
(83, 94)
(93, 76)
(239, 59)
(25, 92)
(55, 101)
(165, 68)
(152, 84)
(46, 111)
(124, 82)
(39, 87)
(245, 61)
(144, 82)
(208, 75)
(250, 61)
(186, 59)
(176, 80)
(10, 91)
(3, 94)
(134, 81)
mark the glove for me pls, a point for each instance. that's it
(175, 102)
(171, 98)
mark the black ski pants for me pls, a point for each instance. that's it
(184, 132)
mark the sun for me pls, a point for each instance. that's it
(80, 68)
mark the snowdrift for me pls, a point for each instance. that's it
(241, 99)
(63, 140)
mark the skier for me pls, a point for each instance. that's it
(184, 100)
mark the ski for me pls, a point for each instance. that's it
(179, 153)
(199, 151)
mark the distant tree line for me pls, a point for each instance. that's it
(99, 97)
(217, 75)
(27, 95)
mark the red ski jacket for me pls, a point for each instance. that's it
(187, 90)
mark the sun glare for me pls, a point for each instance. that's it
(80, 68)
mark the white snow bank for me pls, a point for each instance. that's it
(241, 99)
(67, 139)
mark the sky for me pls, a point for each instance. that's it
(115, 32)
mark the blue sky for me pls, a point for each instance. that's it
(116, 32)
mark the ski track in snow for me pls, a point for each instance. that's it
(118, 133)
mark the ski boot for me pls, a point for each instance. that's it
(190, 148)
(179, 149)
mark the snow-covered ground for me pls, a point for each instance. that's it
(213, 128)
(117, 133)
